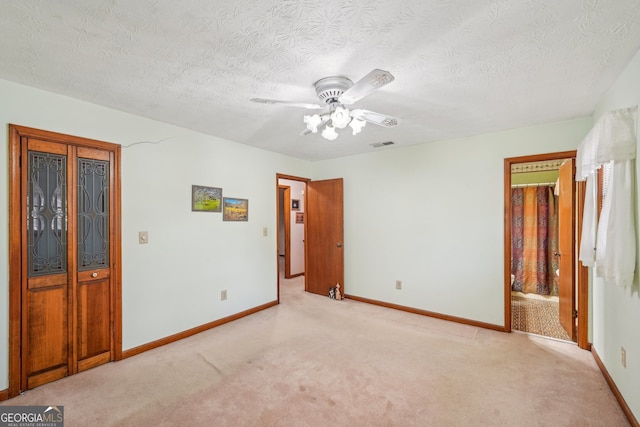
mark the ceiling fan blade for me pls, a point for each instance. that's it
(288, 103)
(363, 87)
(376, 118)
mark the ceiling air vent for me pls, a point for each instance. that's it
(381, 144)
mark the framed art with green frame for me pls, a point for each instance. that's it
(206, 199)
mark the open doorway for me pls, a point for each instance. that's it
(291, 226)
(545, 287)
(535, 252)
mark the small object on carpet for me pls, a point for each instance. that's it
(338, 294)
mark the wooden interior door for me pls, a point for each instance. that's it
(324, 255)
(566, 247)
(65, 278)
(286, 212)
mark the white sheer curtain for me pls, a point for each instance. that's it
(587, 170)
(610, 244)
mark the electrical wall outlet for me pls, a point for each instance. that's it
(223, 295)
(398, 284)
(623, 357)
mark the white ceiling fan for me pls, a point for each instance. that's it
(337, 92)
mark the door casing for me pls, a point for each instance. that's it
(17, 136)
(285, 210)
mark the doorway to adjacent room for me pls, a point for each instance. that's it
(545, 286)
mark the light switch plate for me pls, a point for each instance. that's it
(143, 237)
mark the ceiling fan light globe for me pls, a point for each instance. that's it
(312, 122)
(357, 125)
(340, 117)
(329, 132)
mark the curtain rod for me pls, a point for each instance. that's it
(536, 184)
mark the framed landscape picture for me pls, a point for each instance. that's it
(206, 199)
(235, 209)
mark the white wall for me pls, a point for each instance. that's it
(616, 311)
(432, 216)
(174, 282)
(296, 236)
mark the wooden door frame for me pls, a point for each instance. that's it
(280, 176)
(582, 284)
(16, 268)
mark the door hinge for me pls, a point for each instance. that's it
(575, 314)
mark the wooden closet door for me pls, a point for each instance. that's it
(46, 292)
(65, 275)
(92, 250)
(68, 308)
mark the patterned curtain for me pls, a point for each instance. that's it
(534, 240)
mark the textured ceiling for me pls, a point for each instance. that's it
(461, 67)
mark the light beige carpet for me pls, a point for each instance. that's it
(312, 361)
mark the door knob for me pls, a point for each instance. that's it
(556, 254)
(94, 275)
(339, 245)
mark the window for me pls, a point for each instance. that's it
(604, 180)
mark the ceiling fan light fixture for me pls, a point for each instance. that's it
(340, 117)
(313, 122)
(329, 132)
(336, 92)
(357, 125)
